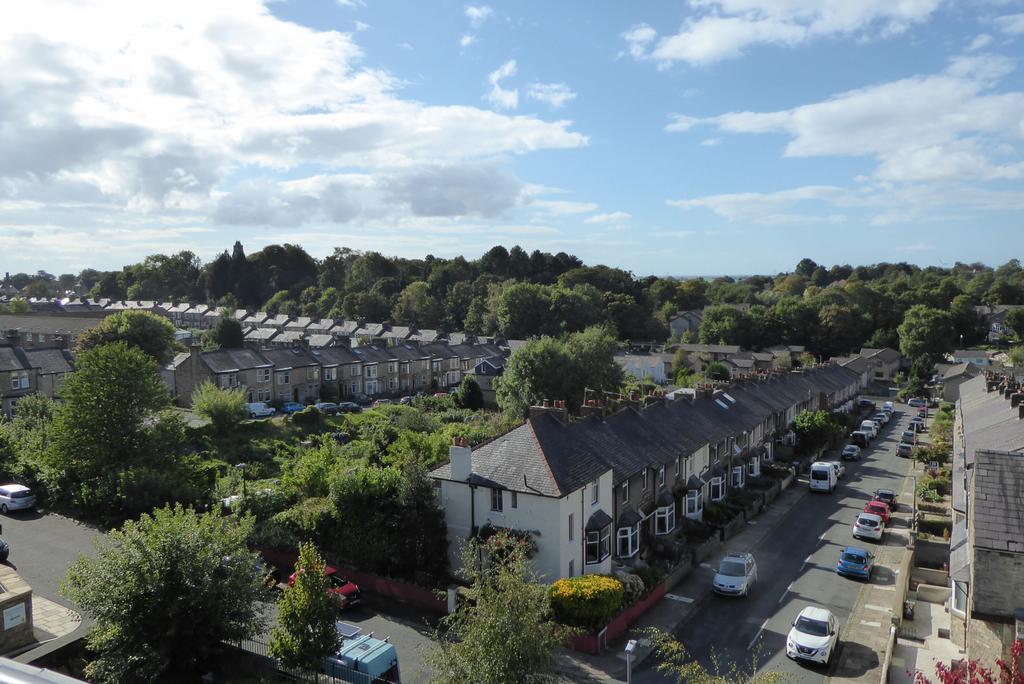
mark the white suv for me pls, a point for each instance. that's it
(16, 497)
(814, 635)
(736, 574)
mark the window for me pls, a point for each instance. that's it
(330, 374)
(496, 500)
(627, 541)
(661, 476)
(571, 528)
(371, 371)
(646, 472)
(354, 388)
(664, 520)
(515, 499)
(28, 337)
(717, 489)
(625, 492)
(572, 568)
(392, 383)
(355, 371)
(392, 366)
(435, 366)
(312, 373)
(599, 544)
(263, 394)
(263, 375)
(959, 597)
(679, 467)
(754, 467)
(42, 337)
(694, 503)
(595, 492)
(229, 380)
(737, 477)
(284, 378)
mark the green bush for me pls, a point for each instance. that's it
(587, 601)
(309, 417)
(651, 576)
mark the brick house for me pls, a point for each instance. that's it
(17, 379)
(296, 374)
(225, 368)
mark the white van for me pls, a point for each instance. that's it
(823, 477)
(259, 409)
(870, 427)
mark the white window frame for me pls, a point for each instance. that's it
(665, 520)
(602, 540)
(647, 472)
(284, 377)
(738, 479)
(717, 485)
(497, 500)
(262, 375)
(355, 370)
(754, 467)
(392, 366)
(630, 536)
(960, 590)
(595, 493)
(625, 492)
(572, 527)
(514, 499)
(371, 371)
(330, 374)
(694, 503)
(661, 476)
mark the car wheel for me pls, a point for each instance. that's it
(3, 557)
(3, 509)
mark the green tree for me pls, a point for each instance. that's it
(592, 353)
(103, 425)
(305, 633)
(505, 631)
(226, 332)
(153, 334)
(676, 662)
(224, 408)
(165, 591)
(523, 310)
(813, 431)
(470, 396)
(926, 332)
(1014, 320)
(723, 325)
(1016, 355)
(418, 306)
(717, 371)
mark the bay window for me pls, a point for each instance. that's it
(717, 489)
(665, 519)
(694, 503)
(599, 544)
(627, 541)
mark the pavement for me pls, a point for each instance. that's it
(796, 542)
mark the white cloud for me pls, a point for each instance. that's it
(563, 207)
(554, 94)
(466, 40)
(724, 29)
(614, 217)
(406, 45)
(979, 42)
(135, 114)
(1011, 23)
(769, 207)
(478, 14)
(351, 3)
(681, 123)
(711, 142)
(951, 125)
(499, 97)
(362, 26)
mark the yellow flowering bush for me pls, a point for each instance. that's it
(588, 601)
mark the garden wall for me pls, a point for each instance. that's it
(593, 643)
(733, 527)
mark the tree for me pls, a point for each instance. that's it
(1009, 671)
(523, 310)
(717, 371)
(470, 395)
(504, 632)
(143, 330)
(1016, 355)
(723, 325)
(418, 306)
(226, 332)
(224, 408)
(926, 332)
(676, 662)
(165, 591)
(305, 633)
(1014, 320)
(813, 430)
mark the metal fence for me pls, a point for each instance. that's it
(346, 675)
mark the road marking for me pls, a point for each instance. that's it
(879, 608)
(676, 597)
(886, 588)
(822, 537)
(785, 593)
(871, 624)
(759, 630)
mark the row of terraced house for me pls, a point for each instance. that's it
(594, 492)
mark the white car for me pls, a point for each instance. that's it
(16, 497)
(259, 409)
(814, 635)
(868, 526)
(736, 574)
(839, 468)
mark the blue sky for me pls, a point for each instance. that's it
(692, 137)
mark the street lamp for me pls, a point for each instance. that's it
(630, 648)
(241, 467)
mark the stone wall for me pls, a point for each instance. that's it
(998, 577)
(988, 640)
(15, 611)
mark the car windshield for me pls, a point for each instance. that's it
(23, 494)
(732, 569)
(867, 522)
(819, 474)
(812, 627)
(876, 506)
(852, 557)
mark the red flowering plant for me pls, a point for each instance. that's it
(973, 672)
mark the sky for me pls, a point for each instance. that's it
(692, 137)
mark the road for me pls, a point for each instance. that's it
(796, 568)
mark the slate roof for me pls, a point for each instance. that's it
(345, 328)
(399, 332)
(371, 329)
(958, 369)
(289, 337)
(50, 361)
(300, 323)
(997, 505)
(291, 357)
(970, 354)
(459, 338)
(440, 351)
(320, 327)
(709, 348)
(262, 334)
(335, 356)
(48, 324)
(424, 336)
(320, 340)
(13, 359)
(227, 360)
(255, 318)
(885, 353)
(373, 354)
(278, 320)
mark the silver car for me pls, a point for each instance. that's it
(736, 574)
(16, 497)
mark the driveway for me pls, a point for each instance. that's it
(796, 568)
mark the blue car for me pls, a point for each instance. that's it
(292, 407)
(855, 562)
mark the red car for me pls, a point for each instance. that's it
(346, 591)
(880, 509)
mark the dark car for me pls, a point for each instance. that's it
(904, 450)
(346, 591)
(865, 404)
(349, 407)
(851, 452)
(328, 408)
(362, 399)
(886, 496)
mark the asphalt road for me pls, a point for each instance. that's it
(796, 568)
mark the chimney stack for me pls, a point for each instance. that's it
(592, 407)
(558, 410)
(461, 457)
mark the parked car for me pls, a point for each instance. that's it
(362, 657)
(839, 468)
(292, 407)
(328, 408)
(405, 401)
(855, 562)
(922, 413)
(823, 477)
(904, 450)
(349, 407)
(5, 551)
(917, 402)
(382, 402)
(870, 427)
(909, 437)
(888, 497)
(440, 395)
(917, 424)
(851, 452)
(814, 635)
(889, 407)
(361, 399)
(882, 417)
(860, 438)
(880, 509)
(736, 574)
(16, 497)
(868, 526)
(346, 591)
(865, 404)
(259, 409)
